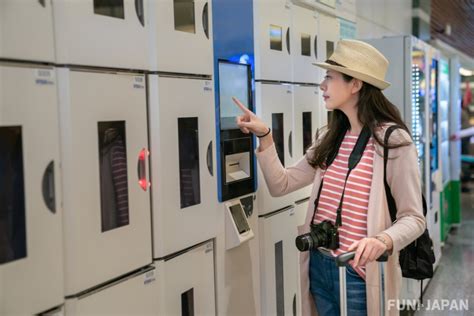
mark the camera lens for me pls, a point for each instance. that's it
(304, 242)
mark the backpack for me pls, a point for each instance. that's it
(416, 259)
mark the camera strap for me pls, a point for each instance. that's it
(354, 158)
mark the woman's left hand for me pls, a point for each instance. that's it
(367, 250)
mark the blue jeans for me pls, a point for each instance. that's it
(324, 286)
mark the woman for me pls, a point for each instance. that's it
(352, 89)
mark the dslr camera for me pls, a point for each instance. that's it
(324, 234)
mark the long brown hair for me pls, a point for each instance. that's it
(373, 110)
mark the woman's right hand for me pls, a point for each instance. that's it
(249, 122)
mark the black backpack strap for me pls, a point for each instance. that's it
(392, 207)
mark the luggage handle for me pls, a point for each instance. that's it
(343, 259)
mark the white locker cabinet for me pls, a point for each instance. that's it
(181, 36)
(304, 44)
(274, 107)
(182, 138)
(278, 263)
(26, 30)
(272, 20)
(305, 124)
(31, 247)
(133, 295)
(103, 120)
(188, 282)
(101, 33)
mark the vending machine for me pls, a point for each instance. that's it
(31, 212)
(444, 142)
(104, 152)
(101, 33)
(434, 217)
(26, 30)
(410, 92)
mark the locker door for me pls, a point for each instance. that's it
(182, 150)
(26, 30)
(182, 36)
(274, 106)
(301, 210)
(272, 21)
(304, 38)
(104, 151)
(327, 41)
(30, 197)
(305, 124)
(133, 295)
(186, 291)
(104, 33)
(279, 260)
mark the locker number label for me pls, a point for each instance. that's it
(139, 82)
(149, 277)
(44, 77)
(209, 247)
(207, 86)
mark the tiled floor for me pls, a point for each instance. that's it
(454, 278)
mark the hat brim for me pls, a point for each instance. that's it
(381, 84)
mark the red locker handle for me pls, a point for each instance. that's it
(141, 169)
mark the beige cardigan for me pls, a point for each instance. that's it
(404, 181)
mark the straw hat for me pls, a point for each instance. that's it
(360, 60)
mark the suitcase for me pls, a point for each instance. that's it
(341, 261)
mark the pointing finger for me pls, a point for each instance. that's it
(241, 106)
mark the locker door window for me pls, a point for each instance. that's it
(12, 195)
(305, 45)
(307, 129)
(189, 181)
(187, 303)
(278, 135)
(112, 8)
(113, 175)
(329, 48)
(279, 279)
(275, 37)
(184, 19)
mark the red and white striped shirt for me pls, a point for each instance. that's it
(356, 195)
